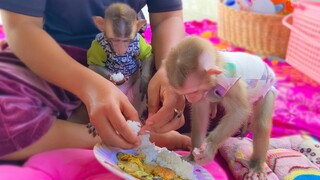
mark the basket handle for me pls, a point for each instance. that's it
(300, 33)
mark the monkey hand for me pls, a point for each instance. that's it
(256, 170)
(204, 154)
(189, 157)
(255, 175)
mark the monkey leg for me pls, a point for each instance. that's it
(261, 127)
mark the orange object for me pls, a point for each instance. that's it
(286, 4)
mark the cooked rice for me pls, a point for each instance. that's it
(117, 77)
(162, 156)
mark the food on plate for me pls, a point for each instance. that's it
(151, 160)
(136, 166)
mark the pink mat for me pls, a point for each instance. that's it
(296, 110)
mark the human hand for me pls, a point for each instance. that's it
(164, 105)
(108, 109)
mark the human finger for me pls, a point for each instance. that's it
(109, 136)
(172, 104)
(173, 124)
(122, 128)
(129, 112)
(163, 115)
(157, 120)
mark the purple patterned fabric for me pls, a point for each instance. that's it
(28, 104)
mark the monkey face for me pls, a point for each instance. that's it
(119, 40)
(195, 88)
(119, 45)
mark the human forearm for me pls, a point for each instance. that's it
(167, 31)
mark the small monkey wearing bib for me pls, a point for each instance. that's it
(240, 82)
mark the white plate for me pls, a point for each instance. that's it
(108, 158)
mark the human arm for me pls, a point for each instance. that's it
(40, 52)
(167, 31)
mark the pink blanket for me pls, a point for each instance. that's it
(291, 157)
(68, 164)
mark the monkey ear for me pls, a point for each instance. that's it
(140, 23)
(214, 71)
(99, 22)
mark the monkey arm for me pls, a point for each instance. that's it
(147, 68)
(199, 121)
(237, 110)
(199, 126)
(147, 65)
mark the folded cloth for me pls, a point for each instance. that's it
(289, 164)
(288, 157)
(311, 149)
(237, 153)
(304, 144)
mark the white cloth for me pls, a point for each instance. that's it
(258, 76)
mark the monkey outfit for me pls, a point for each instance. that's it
(103, 60)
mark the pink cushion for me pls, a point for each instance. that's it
(66, 164)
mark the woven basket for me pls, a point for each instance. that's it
(260, 33)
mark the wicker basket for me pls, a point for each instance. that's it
(259, 33)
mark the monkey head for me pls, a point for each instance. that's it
(119, 25)
(192, 67)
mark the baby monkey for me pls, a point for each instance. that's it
(240, 82)
(120, 54)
